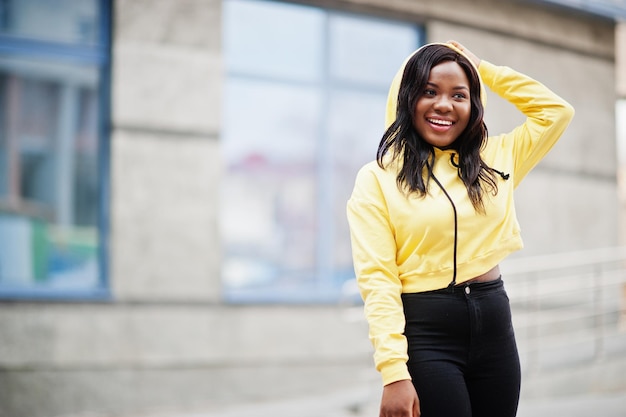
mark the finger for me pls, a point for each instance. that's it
(456, 44)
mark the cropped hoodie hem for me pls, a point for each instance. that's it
(406, 243)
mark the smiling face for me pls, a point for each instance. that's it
(443, 110)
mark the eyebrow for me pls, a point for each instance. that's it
(458, 87)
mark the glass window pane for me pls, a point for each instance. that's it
(68, 21)
(368, 50)
(48, 162)
(273, 39)
(267, 221)
(356, 124)
(277, 120)
(296, 130)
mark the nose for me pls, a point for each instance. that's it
(443, 104)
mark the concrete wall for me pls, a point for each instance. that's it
(620, 71)
(165, 339)
(165, 149)
(620, 58)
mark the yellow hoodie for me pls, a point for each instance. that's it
(405, 243)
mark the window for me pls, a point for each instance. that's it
(303, 110)
(53, 68)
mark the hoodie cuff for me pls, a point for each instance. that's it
(394, 371)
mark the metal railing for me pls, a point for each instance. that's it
(568, 308)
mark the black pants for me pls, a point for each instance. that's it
(462, 352)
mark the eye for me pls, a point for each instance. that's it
(459, 96)
(430, 92)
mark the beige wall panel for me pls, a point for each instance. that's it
(164, 225)
(187, 23)
(514, 18)
(168, 392)
(109, 336)
(165, 87)
(118, 357)
(560, 212)
(167, 65)
(176, 335)
(620, 58)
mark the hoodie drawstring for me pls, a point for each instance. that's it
(453, 283)
(456, 224)
(500, 173)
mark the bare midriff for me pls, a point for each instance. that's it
(491, 275)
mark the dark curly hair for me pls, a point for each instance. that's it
(417, 154)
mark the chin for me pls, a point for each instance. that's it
(441, 145)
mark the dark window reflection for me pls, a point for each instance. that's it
(50, 120)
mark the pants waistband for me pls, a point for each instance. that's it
(466, 288)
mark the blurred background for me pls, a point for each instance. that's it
(173, 181)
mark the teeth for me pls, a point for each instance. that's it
(440, 122)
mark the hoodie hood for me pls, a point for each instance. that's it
(392, 97)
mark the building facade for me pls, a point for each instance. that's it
(175, 176)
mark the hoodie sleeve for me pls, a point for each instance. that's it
(547, 115)
(374, 252)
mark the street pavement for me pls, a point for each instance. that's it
(364, 402)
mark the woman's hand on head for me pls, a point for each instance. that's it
(399, 400)
(475, 60)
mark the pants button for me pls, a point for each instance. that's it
(467, 290)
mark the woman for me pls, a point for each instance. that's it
(430, 221)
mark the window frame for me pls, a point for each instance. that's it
(98, 55)
(325, 86)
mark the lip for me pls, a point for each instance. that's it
(442, 126)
